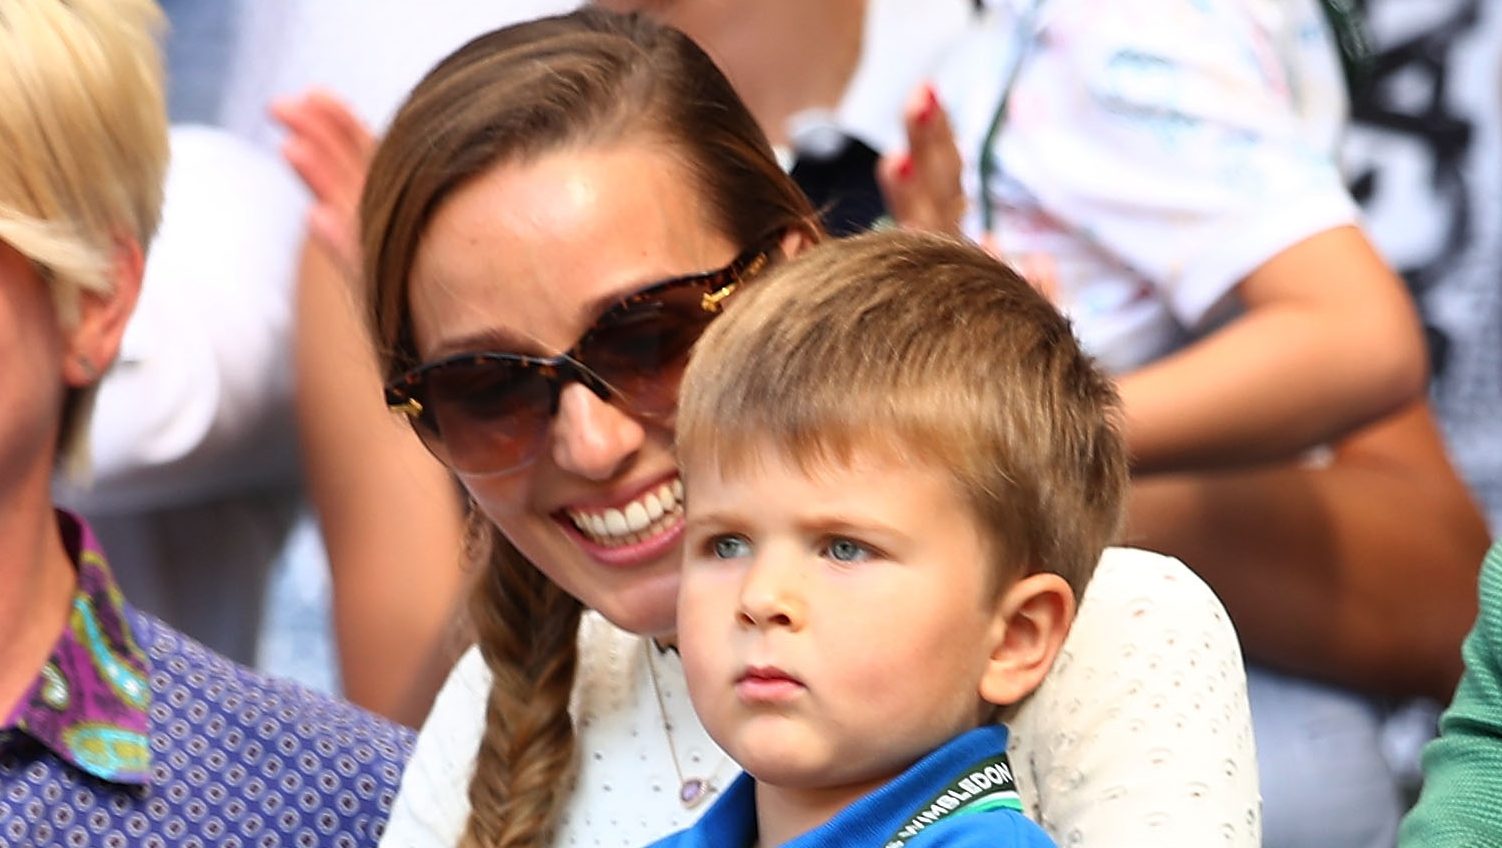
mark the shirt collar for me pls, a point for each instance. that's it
(89, 703)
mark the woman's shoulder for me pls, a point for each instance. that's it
(1150, 678)
(1150, 587)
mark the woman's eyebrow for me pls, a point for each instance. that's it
(490, 339)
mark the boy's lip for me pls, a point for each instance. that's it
(767, 684)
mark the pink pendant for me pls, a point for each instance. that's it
(693, 792)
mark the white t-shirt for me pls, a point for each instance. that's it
(1154, 151)
(368, 52)
(1140, 736)
(191, 470)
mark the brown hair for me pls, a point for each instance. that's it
(928, 348)
(586, 78)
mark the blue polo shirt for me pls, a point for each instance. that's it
(958, 796)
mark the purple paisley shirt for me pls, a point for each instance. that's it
(135, 735)
(89, 703)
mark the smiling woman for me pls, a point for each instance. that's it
(538, 179)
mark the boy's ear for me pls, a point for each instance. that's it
(1032, 619)
(94, 340)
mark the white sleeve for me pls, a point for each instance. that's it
(199, 403)
(1191, 140)
(433, 803)
(1142, 734)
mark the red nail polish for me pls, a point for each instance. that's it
(905, 167)
(930, 105)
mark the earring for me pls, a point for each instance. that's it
(87, 366)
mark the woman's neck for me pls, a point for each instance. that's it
(37, 582)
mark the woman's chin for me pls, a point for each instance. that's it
(646, 604)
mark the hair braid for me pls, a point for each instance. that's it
(527, 629)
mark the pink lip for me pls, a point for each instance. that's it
(767, 685)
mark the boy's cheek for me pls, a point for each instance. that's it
(699, 603)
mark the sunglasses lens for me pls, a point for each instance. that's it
(641, 349)
(484, 415)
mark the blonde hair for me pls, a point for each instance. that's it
(929, 349)
(587, 78)
(84, 128)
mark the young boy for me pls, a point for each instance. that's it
(901, 470)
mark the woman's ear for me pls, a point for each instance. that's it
(1032, 619)
(796, 240)
(94, 339)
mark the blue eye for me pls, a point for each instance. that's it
(729, 547)
(847, 550)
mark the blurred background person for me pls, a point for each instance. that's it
(116, 727)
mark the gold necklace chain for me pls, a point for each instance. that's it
(691, 790)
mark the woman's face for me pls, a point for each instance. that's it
(523, 259)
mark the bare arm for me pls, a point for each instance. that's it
(1329, 341)
(390, 514)
(1362, 573)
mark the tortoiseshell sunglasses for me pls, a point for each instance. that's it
(488, 412)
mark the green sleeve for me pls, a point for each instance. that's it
(1461, 804)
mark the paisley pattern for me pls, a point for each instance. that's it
(89, 705)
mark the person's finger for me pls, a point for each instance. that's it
(332, 171)
(939, 199)
(327, 182)
(894, 173)
(326, 129)
(342, 122)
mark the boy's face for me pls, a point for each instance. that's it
(834, 627)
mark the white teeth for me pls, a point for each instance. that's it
(636, 517)
(665, 494)
(651, 514)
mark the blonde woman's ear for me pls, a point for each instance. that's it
(1032, 618)
(94, 339)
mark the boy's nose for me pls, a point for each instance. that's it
(771, 596)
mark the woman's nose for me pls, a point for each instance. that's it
(591, 437)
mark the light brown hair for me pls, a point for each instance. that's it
(929, 349)
(585, 79)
